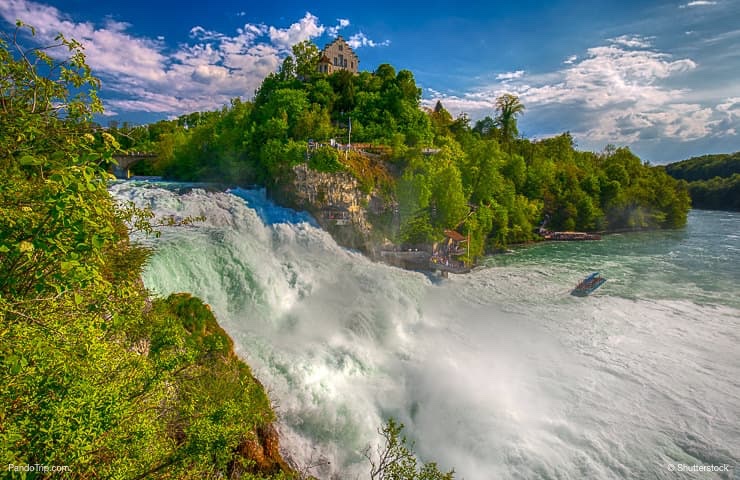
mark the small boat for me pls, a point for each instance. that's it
(588, 285)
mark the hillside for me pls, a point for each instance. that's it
(713, 180)
(705, 167)
(430, 171)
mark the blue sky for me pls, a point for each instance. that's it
(661, 77)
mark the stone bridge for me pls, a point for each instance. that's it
(127, 160)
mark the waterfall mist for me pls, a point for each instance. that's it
(497, 373)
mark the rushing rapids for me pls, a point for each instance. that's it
(498, 373)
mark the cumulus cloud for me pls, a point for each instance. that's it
(361, 40)
(731, 107)
(305, 29)
(109, 48)
(510, 75)
(200, 33)
(621, 92)
(334, 31)
(146, 75)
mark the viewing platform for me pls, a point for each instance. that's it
(446, 265)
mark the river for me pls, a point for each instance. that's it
(499, 373)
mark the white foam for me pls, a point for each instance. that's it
(499, 374)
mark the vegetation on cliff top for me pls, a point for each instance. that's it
(714, 180)
(483, 180)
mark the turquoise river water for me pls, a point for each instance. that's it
(499, 373)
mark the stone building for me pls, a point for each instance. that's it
(338, 55)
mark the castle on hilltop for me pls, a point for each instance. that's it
(338, 55)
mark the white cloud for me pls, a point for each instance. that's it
(730, 108)
(108, 48)
(200, 33)
(334, 31)
(361, 40)
(209, 74)
(615, 93)
(145, 75)
(510, 75)
(632, 41)
(305, 29)
(698, 3)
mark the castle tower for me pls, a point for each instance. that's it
(338, 55)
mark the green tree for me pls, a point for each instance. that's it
(485, 127)
(47, 177)
(307, 56)
(440, 120)
(394, 459)
(508, 107)
(449, 201)
(287, 69)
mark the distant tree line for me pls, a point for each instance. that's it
(714, 180)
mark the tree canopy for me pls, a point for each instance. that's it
(508, 107)
(482, 180)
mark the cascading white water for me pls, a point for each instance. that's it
(499, 374)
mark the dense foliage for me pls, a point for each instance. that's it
(716, 194)
(481, 180)
(94, 377)
(714, 180)
(97, 380)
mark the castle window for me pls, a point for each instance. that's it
(341, 47)
(335, 61)
(345, 63)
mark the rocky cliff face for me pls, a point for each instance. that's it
(339, 205)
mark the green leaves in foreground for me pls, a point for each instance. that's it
(394, 459)
(94, 375)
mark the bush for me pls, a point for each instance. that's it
(325, 159)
